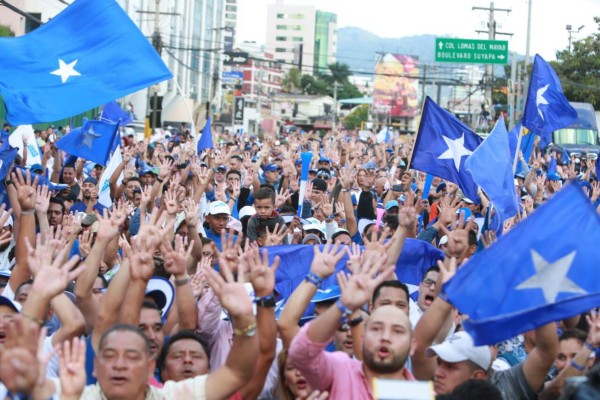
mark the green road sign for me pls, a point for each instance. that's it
(471, 51)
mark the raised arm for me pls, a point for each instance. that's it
(263, 282)
(540, 359)
(239, 367)
(26, 196)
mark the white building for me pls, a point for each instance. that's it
(301, 35)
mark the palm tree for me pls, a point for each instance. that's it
(292, 81)
(339, 72)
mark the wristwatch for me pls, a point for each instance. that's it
(266, 301)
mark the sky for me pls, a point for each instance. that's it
(456, 18)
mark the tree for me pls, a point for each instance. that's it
(6, 31)
(579, 69)
(291, 81)
(359, 115)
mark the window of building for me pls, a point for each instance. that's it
(280, 16)
(297, 39)
(231, 8)
(280, 38)
(282, 27)
(297, 16)
(280, 50)
(297, 27)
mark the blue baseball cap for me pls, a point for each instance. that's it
(332, 292)
(465, 211)
(325, 159)
(91, 180)
(390, 204)
(222, 167)
(36, 167)
(298, 161)
(271, 168)
(553, 176)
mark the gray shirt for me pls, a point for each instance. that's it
(512, 384)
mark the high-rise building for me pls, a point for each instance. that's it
(325, 40)
(301, 36)
(230, 24)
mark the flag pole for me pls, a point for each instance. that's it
(521, 130)
(416, 136)
(192, 128)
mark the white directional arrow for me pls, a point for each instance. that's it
(501, 57)
(441, 45)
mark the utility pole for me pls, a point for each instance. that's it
(157, 43)
(492, 32)
(335, 86)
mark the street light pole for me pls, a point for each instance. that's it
(571, 30)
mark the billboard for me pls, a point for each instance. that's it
(396, 86)
(233, 77)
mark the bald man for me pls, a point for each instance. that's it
(387, 344)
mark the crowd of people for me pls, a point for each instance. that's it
(170, 293)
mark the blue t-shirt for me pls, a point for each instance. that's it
(217, 238)
(81, 207)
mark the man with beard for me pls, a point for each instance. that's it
(89, 193)
(387, 341)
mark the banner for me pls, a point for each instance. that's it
(396, 86)
(34, 156)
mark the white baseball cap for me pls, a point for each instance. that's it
(459, 347)
(218, 207)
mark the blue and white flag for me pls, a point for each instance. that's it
(546, 108)
(442, 145)
(206, 139)
(113, 113)
(491, 168)
(89, 54)
(94, 141)
(543, 270)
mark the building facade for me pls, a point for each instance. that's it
(301, 36)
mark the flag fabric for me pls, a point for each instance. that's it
(491, 166)
(147, 129)
(527, 142)
(416, 257)
(34, 155)
(206, 139)
(104, 182)
(546, 108)
(526, 280)
(443, 142)
(113, 113)
(6, 159)
(42, 180)
(94, 141)
(552, 165)
(306, 158)
(89, 54)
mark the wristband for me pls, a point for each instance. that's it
(589, 346)
(182, 282)
(577, 366)
(37, 321)
(345, 310)
(28, 212)
(160, 180)
(314, 279)
(265, 301)
(354, 322)
(247, 332)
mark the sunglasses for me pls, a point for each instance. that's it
(324, 177)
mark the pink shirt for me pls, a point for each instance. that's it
(335, 372)
(217, 331)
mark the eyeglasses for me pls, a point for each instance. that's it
(428, 282)
(207, 254)
(324, 177)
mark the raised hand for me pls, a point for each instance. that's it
(108, 225)
(145, 200)
(19, 369)
(85, 243)
(71, 365)
(26, 194)
(326, 205)
(53, 276)
(593, 321)
(42, 201)
(164, 168)
(44, 249)
(71, 226)
(458, 238)
(324, 261)
(275, 238)
(354, 257)
(175, 260)
(377, 243)
(282, 197)
(231, 292)
(357, 289)
(262, 276)
(407, 215)
(170, 200)
(191, 211)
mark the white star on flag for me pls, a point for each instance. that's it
(89, 137)
(456, 150)
(65, 71)
(540, 99)
(551, 278)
